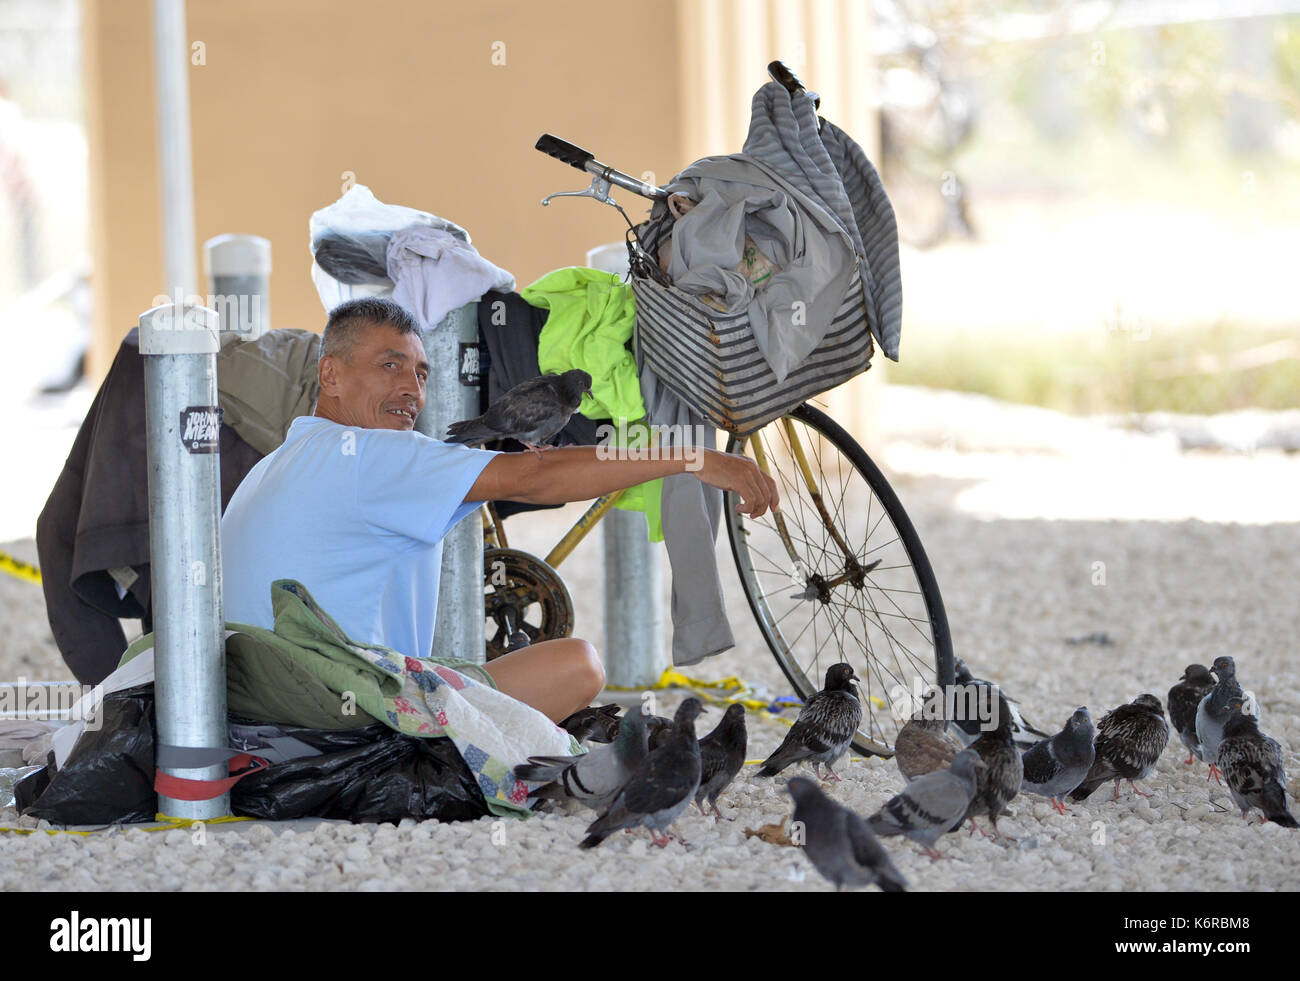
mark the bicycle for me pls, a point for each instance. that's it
(823, 577)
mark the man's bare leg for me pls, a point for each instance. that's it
(556, 677)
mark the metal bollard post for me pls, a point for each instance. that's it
(634, 620)
(239, 277)
(184, 427)
(634, 604)
(453, 394)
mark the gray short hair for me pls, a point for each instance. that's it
(348, 320)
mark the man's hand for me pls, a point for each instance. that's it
(730, 472)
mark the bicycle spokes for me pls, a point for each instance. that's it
(858, 595)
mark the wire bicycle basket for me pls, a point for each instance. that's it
(707, 353)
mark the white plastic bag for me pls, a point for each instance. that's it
(349, 244)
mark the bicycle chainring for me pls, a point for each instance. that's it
(522, 594)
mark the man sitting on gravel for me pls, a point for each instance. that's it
(354, 505)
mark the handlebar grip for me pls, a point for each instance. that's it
(574, 156)
(780, 73)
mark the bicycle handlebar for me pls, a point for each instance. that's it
(580, 159)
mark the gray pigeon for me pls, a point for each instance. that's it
(1212, 712)
(1054, 767)
(594, 778)
(532, 412)
(932, 804)
(722, 754)
(825, 727)
(923, 746)
(597, 724)
(970, 729)
(999, 782)
(1183, 700)
(839, 843)
(661, 787)
(1129, 742)
(1252, 765)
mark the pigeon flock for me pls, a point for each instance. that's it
(643, 771)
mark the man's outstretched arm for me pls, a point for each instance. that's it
(577, 473)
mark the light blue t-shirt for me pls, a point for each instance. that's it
(357, 516)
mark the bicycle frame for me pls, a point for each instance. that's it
(494, 532)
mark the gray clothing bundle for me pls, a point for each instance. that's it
(810, 201)
(824, 162)
(741, 197)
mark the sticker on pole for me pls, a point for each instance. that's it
(201, 428)
(469, 372)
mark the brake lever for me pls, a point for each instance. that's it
(599, 190)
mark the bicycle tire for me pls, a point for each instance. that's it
(879, 723)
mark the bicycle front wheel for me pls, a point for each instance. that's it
(839, 574)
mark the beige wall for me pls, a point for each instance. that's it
(406, 96)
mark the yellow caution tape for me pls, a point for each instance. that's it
(175, 822)
(19, 568)
(725, 691)
(165, 823)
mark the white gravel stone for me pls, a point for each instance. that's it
(1015, 586)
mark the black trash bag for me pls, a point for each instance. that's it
(29, 788)
(364, 775)
(108, 776)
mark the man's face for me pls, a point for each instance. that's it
(380, 384)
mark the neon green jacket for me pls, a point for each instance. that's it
(591, 320)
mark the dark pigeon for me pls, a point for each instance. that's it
(931, 805)
(659, 728)
(1212, 712)
(839, 843)
(1055, 766)
(722, 754)
(1129, 742)
(660, 788)
(1184, 698)
(969, 730)
(597, 724)
(1252, 764)
(532, 412)
(825, 727)
(999, 782)
(594, 778)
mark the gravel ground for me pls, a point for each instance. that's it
(1018, 581)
